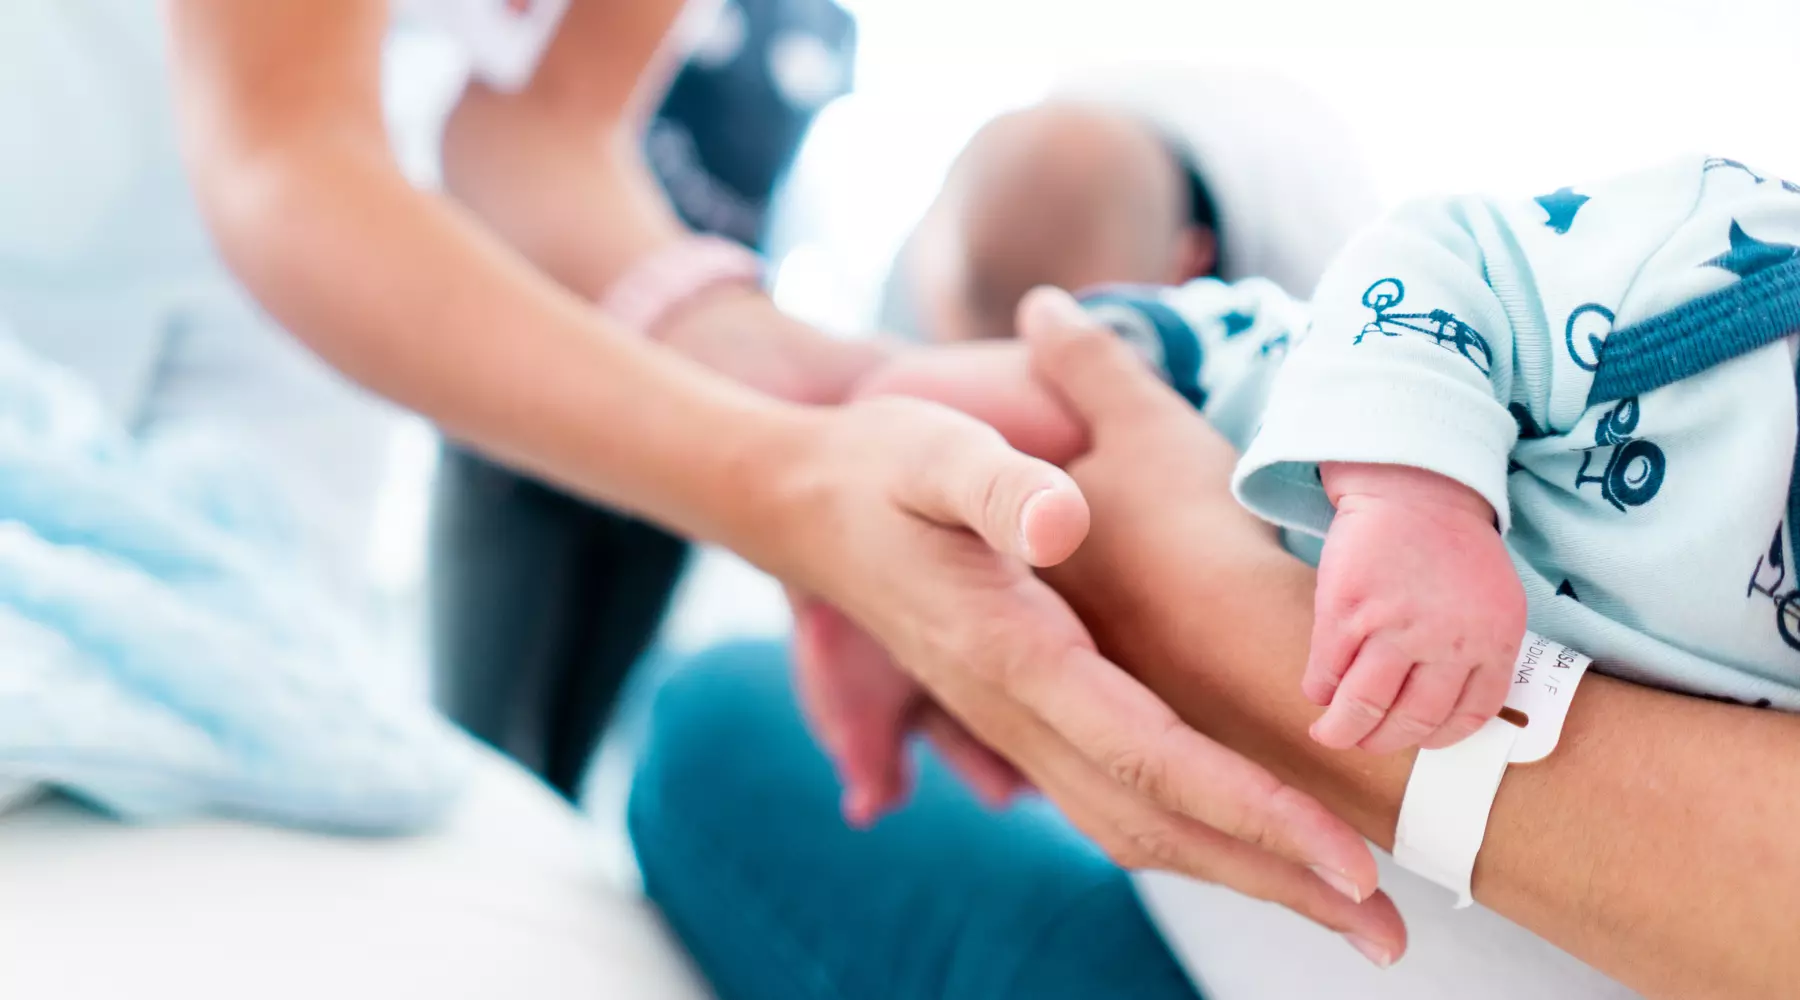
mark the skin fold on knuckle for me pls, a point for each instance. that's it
(990, 482)
(1266, 818)
(1121, 849)
(982, 498)
(1133, 768)
(1158, 846)
(1339, 599)
(1410, 727)
(1362, 616)
(1458, 729)
(1358, 707)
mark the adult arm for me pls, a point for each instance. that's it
(557, 170)
(1655, 844)
(408, 293)
(919, 523)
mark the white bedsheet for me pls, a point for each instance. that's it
(509, 900)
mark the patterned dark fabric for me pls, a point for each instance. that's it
(736, 114)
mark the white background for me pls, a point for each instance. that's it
(1522, 96)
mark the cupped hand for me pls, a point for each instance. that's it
(925, 531)
(948, 592)
(1419, 612)
(861, 706)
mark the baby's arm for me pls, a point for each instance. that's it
(1388, 432)
(1418, 612)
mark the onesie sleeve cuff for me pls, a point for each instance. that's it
(1326, 410)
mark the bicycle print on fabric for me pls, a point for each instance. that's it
(1447, 331)
(1767, 580)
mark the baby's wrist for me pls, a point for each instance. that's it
(1364, 482)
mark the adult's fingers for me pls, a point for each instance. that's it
(993, 780)
(1373, 926)
(1423, 706)
(1099, 376)
(1120, 726)
(1138, 834)
(810, 664)
(1019, 505)
(857, 705)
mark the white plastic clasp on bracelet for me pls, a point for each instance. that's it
(1444, 815)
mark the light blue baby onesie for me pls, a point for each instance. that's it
(1611, 365)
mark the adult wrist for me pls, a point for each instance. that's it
(749, 493)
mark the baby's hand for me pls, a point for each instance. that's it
(992, 382)
(1418, 615)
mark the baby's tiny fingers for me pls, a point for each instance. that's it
(1425, 701)
(1483, 695)
(1334, 647)
(1363, 699)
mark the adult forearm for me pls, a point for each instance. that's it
(564, 184)
(1655, 844)
(403, 292)
(557, 171)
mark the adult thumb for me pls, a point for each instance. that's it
(1092, 368)
(1019, 505)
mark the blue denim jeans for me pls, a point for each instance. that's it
(734, 814)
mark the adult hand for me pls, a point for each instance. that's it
(861, 707)
(1157, 479)
(1006, 657)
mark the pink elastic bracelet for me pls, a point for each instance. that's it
(657, 286)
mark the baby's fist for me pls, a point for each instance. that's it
(1418, 615)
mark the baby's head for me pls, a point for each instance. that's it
(1058, 194)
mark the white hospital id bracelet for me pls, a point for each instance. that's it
(1444, 815)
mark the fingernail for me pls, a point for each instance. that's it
(1339, 881)
(1031, 504)
(1371, 951)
